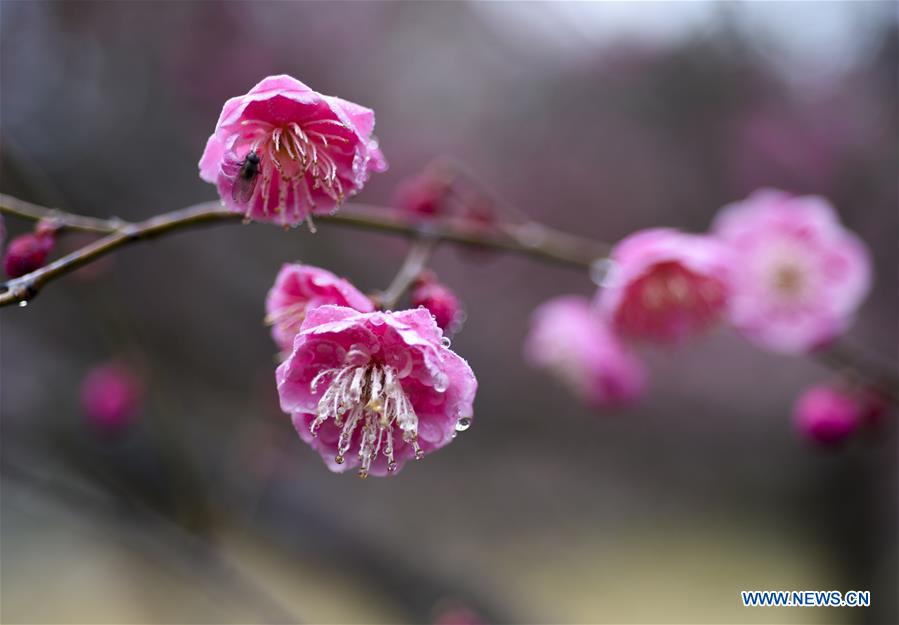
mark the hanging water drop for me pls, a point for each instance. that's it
(23, 303)
(463, 424)
(446, 342)
(600, 271)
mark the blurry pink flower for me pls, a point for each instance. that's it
(801, 274)
(568, 338)
(440, 301)
(300, 288)
(27, 252)
(111, 396)
(283, 152)
(827, 415)
(372, 390)
(424, 195)
(665, 286)
(457, 615)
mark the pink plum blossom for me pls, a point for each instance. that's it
(283, 152)
(374, 389)
(111, 396)
(801, 275)
(300, 288)
(568, 338)
(665, 286)
(827, 415)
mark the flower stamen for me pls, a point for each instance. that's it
(367, 398)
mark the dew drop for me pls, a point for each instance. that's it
(463, 424)
(391, 466)
(362, 474)
(440, 383)
(600, 271)
(338, 459)
(419, 454)
(445, 341)
(23, 303)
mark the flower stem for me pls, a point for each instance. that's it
(416, 260)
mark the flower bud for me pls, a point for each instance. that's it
(27, 252)
(424, 195)
(111, 396)
(827, 415)
(440, 302)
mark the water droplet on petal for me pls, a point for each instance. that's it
(445, 341)
(463, 424)
(601, 270)
(23, 303)
(391, 466)
(338, 459)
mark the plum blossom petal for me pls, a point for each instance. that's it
(802, 274)
(371, 390)
(300, 288)
(665, 286)
(568, 338)
(283, 152)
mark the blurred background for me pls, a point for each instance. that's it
(595, 118)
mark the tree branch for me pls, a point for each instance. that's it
(530, 238)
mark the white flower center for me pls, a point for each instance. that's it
(295, 154)
(368, 398)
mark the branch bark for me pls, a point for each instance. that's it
(529, 238)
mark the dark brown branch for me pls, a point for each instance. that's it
(530, 239)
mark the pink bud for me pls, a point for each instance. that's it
(47, 227)
(111, 396)
(440, 302)
(827, 415)
(874, 407)
(457, 615)
(26, 253)
(423, 196)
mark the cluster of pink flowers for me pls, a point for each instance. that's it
(780, 269)
(367, 389)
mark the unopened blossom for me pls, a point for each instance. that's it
(664, 286)
(300, 288)
(440, 301)
(800, 275)
(569, 339)
(111, 396)
(27, 252)
(424, 195)
(284, 152)
(371, 390)
(827, 415)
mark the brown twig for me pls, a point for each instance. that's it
(529, 239)
(415, 261)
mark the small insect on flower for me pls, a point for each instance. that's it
(245, 181)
